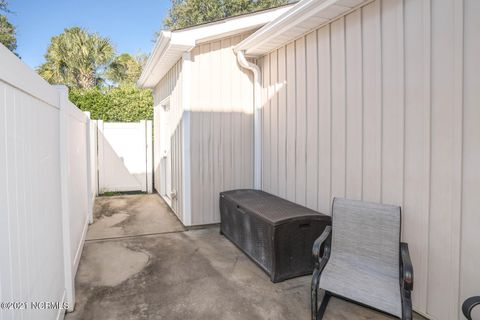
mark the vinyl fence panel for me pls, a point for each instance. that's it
(43, 192)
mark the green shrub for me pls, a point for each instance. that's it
(116, 104)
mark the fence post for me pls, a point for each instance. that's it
(64, 180)
(149, 161)
(100, 152)
(143, 127)
(88, 143)
(95, 155)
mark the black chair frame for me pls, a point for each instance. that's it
(468, 306)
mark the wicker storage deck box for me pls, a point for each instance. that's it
(275, 233)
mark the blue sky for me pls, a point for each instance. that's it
(129, 24)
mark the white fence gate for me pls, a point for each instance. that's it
(124, 156)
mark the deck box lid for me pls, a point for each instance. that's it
(270, 207)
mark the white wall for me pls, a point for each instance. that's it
(383, 105)
(43, 190)
(168, 137)
(221, 126)
(218, 105)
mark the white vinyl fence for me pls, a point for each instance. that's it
(124, 156)
(45, 192)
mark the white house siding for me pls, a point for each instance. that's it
(221, 146)
(170, 86)
(470, 183)
(383, 105)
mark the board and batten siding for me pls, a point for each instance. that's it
(221, 126)
(383, 105)
(168, 134)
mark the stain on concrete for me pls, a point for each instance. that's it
(111, 264)
(107, 226)
(131, 215)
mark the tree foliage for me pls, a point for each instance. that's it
(125, 69)
(187, 13)
(8, 35)
(83, 61)
(4, 6)
(77, 58)
(123, 104)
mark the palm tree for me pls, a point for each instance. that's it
(77, 58)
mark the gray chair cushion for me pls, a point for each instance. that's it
(364, 260)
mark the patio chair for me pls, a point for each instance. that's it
(468, 306)
(363, 260)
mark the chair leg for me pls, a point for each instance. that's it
(317, 313)
(323, 305)
(407, 306)
(314, 293)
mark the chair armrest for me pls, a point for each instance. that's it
(324, 239)
(406, 267)
(468, 305)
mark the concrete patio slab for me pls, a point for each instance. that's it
(196, 274)
(131, 215)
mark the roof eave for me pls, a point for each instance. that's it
(171, 44)
(299, 14)
(162, 42)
